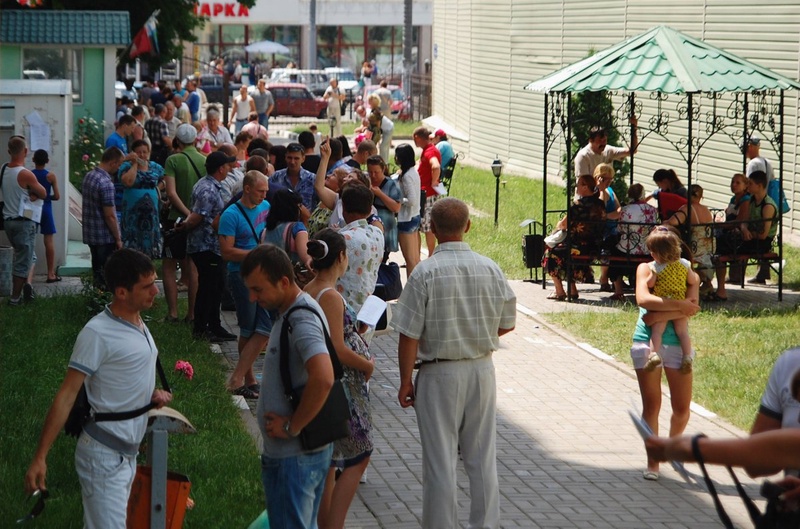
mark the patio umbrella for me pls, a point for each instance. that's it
(267, 47)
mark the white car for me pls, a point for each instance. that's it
(347, 80)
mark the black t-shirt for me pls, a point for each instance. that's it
(311, 163)
(354, 164)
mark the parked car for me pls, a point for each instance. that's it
(294, 99)
(211, 84)
(315, 80)
(121, 90)
(400, 107)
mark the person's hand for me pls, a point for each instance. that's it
(689, 307)
(669, 449)
(325, 149)
(746, 235)
(118, 244)
(274, 425)
(35, 476)
(161, 397)
(406, 394)
(792, 486)
(368, 372)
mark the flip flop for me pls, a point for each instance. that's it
(555, 297)
(245, 392)
(54, 280)
(254, 388)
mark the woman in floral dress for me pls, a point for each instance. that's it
(139, 215)
(328, 252)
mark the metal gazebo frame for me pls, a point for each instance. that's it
(757, 104)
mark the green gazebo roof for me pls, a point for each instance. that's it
(663, 60)
(39, 26)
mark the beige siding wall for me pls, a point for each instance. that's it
(489, 49)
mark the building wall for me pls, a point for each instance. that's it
(486, 51)
(96, 85)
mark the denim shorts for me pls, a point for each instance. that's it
(21, 234)
(411, 226)
(251, 317)
(293, 487)
(106, 478)
(671, 355)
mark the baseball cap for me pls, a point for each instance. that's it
(216, 160)
(186, 133)
(439, 134)
(753, 140)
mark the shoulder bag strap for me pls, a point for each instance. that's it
(723, 516)
(193, 165)
(286, 376)
(2, 172)
(125, 415)
(288, 240)
(244, 214)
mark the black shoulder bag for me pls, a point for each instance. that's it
(2, 202)
(333, 420)
(82, 413)
(775, 517)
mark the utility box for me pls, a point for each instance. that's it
(41, 112)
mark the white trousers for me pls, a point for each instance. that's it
(456, 406)
(106, 477)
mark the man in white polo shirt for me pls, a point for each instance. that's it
(115, 358)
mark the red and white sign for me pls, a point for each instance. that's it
(264, 12)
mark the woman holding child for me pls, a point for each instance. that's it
(656, 310)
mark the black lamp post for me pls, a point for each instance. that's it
(497, 170)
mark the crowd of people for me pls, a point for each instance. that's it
(312, 224)
(601, 226)
(237, 216)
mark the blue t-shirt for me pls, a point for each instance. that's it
(446, 150)
(115, 140)
(233, 223)
(642, 332)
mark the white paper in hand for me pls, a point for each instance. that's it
(371, 311)
(440, 189)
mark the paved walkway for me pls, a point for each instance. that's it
(568, 454)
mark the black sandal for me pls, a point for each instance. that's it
(245, 392)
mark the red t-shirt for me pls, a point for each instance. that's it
(424, 168)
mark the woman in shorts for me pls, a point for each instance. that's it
(408, 220)
(653, 309)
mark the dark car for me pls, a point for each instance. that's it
(294, 99)
(211, 84)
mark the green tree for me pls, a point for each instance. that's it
(595, 109)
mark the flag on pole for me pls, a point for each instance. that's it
(146, 40)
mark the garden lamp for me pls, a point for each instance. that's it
(497, 170)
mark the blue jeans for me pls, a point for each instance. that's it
(293, 488)
(251, 317)
(263, 120)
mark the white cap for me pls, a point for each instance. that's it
(186, 133)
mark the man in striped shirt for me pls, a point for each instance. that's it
(453, 309)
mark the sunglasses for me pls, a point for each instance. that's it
(41, 495)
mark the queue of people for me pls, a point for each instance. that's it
(198, 210)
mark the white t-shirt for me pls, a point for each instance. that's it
(242, 107)
(777, 402)
(586, 159)
(119, 361)
(760, 164)
(333, 100)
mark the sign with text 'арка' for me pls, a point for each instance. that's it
(269, 12)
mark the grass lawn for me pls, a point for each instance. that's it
(221, 459)
(736, 350)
